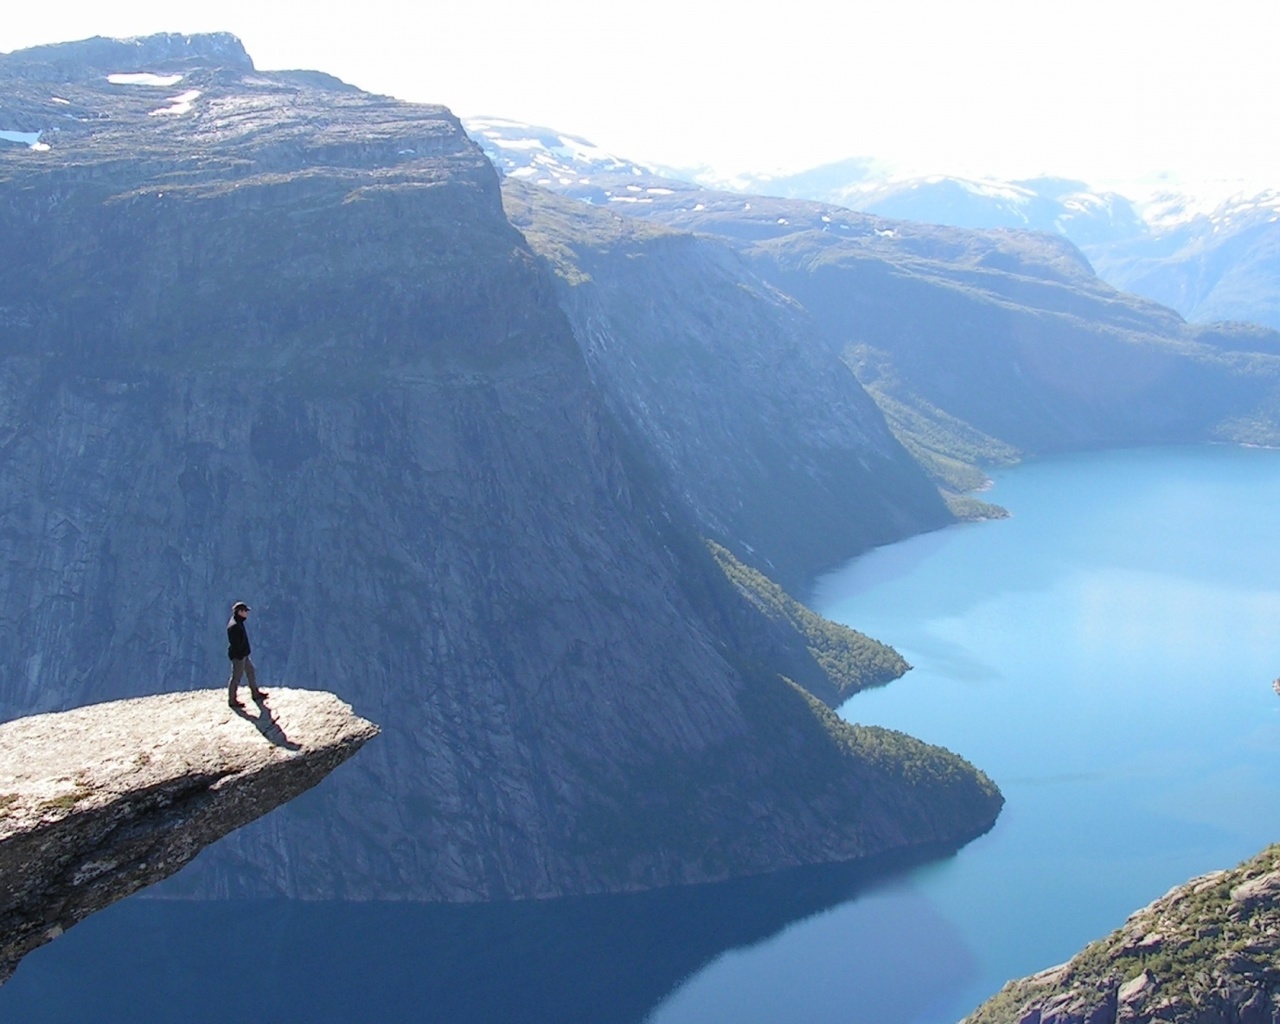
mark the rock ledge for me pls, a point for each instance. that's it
(97, 802)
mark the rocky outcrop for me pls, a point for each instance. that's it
(1208, 952)
(97, 802)
(86, 58)
(267, 337)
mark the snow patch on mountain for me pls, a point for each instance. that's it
(990, 189)
(545, 156)
(179, 104)
(144, 78)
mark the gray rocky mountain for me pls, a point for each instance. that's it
(265, 336)
(1215, 262)
(980, 346)
(986, 346)
(99, 801)
(1223, 264)
(774, 446)
(1210, 263)
(1208, 952)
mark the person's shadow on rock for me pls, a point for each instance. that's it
(266, 723)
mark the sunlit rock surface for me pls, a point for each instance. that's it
(97, 802)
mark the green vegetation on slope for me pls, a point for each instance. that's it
(851, 660)
(876, 790)
(952, 452)
(822, 790)
(911, 760)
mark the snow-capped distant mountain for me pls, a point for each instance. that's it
(1208, 258)
(1219, 265)
(545, 156)
(1205, 259)
(1058, 205)
(1067, 208)
(830, 181)
(569, 164)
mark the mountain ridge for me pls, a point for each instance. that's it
(1210, 259)
(778, 452)
(1024, 359)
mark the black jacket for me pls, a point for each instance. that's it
(237, 639)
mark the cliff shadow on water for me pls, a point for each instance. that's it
(603, 960)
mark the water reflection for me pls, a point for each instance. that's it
(604, 960)
(888, 957)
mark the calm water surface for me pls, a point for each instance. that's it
(1106, 655)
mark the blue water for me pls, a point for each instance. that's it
(1106, 655)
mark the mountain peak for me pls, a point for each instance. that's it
(164, 51)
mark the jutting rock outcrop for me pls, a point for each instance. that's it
(1208, 952)
(97, 802)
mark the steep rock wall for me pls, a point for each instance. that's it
(764, 434)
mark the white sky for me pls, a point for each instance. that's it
(1106, 91)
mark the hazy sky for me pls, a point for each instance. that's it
(1104, 91)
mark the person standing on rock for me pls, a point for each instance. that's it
(238, 651)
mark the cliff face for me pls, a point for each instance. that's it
(272, 338)
(97, 802)
(773, 445)
(982, 346)
(1206, 953)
